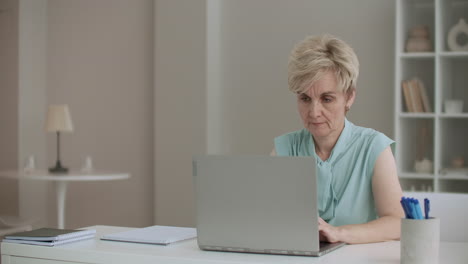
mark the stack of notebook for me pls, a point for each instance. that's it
(50, 236)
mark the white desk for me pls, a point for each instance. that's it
(62, 181)
(98, 251)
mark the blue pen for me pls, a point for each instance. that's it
(418, 209)
(403, 204)
(408, 206)
(412, 208)
(405, 208)
(427, 205)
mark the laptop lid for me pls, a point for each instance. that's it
(259, 204)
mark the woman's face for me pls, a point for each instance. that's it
(323, 107)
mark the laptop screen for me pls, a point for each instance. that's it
(258, 204)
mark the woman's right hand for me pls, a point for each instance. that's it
(329, 233)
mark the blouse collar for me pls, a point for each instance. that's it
(340, 145)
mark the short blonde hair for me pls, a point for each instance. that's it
(317, 55)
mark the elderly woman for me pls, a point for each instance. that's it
(358, 189)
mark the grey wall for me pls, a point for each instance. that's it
(32, 87)
(8, 103)
(219, 87)
(179, 106)
(100, 63)
(256, 39)
(96, 56)
(22, 49)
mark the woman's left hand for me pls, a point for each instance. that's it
(328, 232)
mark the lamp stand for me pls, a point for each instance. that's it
(58, 166)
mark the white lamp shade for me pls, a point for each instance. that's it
(59, 119)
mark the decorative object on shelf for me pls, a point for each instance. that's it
(426, 188)
(454, 106)
(30, 164)
(59, 120)
(457, 38)
(423, 166)
(418, 40)
(458, 162)
(88, 165)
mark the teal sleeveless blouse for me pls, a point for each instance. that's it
(344, 180)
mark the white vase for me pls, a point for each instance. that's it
(452, 38)
(423, 166)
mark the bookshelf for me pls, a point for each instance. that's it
(430, 142)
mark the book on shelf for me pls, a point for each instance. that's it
(50, 236)
(415, 96)
(407, 96)
(160, 235)
(424, 97)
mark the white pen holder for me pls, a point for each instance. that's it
(419, 242)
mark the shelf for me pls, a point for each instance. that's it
(432, 115)
(454, 54)
(417, 55)
(436, 136)
(414, 175)
(461, 115)
(417, 115)
(454, 177)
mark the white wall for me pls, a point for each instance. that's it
(179, 106)
(32, 86)
(100, 62)
(256, 39)
(97, 56)
(247, 43)
(23, 31)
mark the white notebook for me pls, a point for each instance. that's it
(161, 235)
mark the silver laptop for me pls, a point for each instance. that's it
(258, 204)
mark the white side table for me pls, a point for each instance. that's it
(62, 181)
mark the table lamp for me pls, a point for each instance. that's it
(59, 120)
